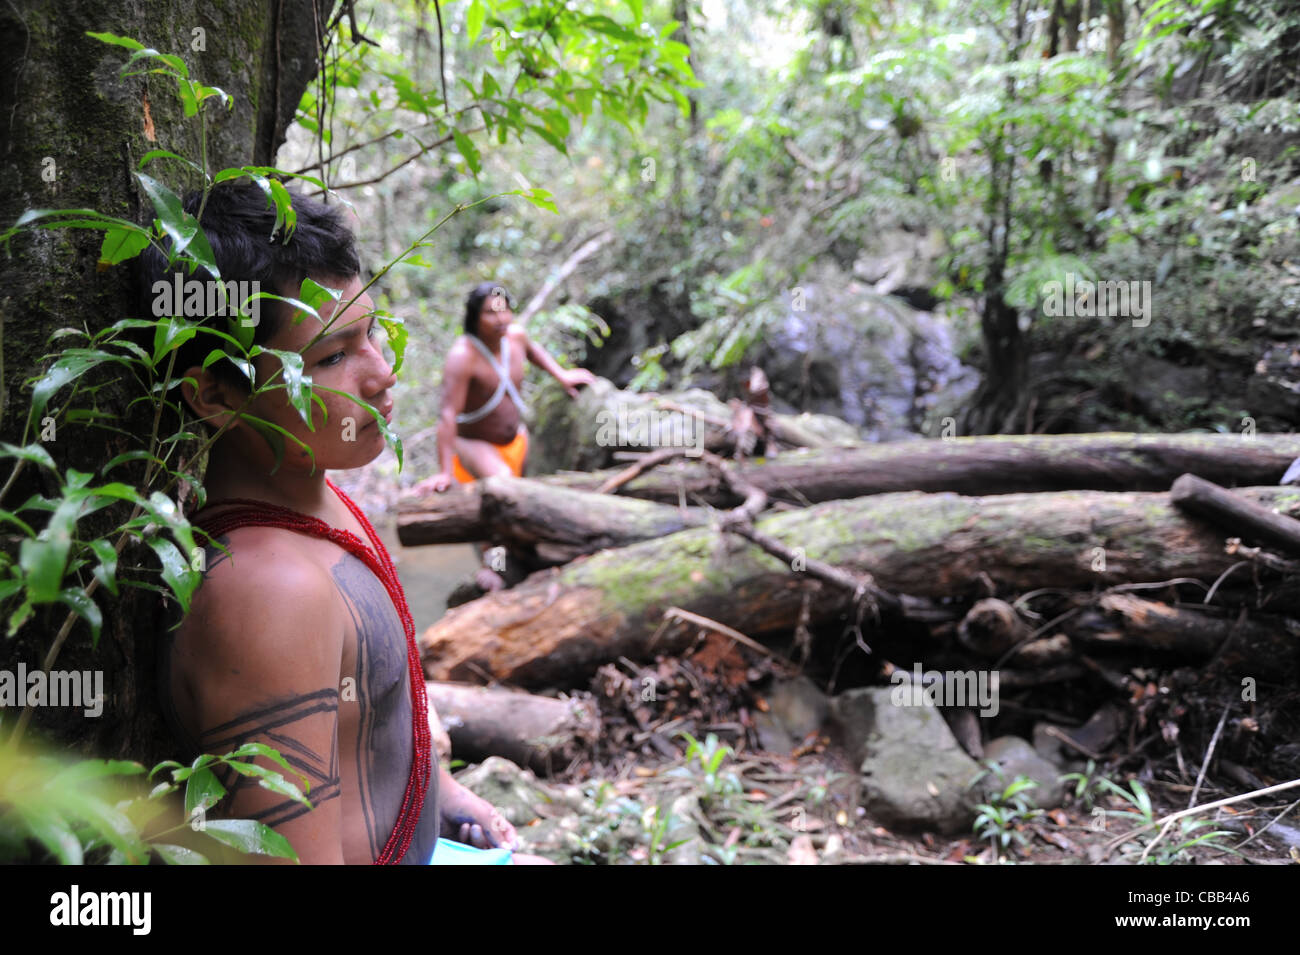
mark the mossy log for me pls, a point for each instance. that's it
(986, 465)
(557, 626)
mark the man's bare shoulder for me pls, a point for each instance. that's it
(461, 351)
(269, 588)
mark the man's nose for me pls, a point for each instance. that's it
(382, 375)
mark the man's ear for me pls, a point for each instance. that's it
(208, 396)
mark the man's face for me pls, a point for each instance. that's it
(496, 316)
(348, 358)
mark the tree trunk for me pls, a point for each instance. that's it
(73, 131)
(559, 625)
(547, 509)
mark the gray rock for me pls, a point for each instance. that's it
(1048, 746)
(1015, 757)
(772, 735)
(799, 705)
(914, 774)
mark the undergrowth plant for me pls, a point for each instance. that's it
(1001, 821)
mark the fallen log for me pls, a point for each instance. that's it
(541, 733)
(1125, 621)
(1240, 517)
(985, 465)
(524, 514)
(559, 625)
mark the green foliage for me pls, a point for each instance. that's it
(1001, 821)
(97, 811)
(1087, 784)
(1154, 847)
(708, 757)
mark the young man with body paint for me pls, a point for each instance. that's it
(298, 636)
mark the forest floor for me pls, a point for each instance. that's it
(681, 780)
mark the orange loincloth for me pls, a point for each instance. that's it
(513, 454)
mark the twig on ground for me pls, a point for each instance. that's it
(1254, 794)
(685, 616)
(1209, 754)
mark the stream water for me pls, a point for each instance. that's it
(428, 573)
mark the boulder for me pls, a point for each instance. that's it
(1015, 757)
(914, 774)
(799, 706)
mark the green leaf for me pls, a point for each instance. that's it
(467, 149)
(603, 24)
(121, 244)
(474, 18)
(85, 608)
(35, 453)
(266, 752)
(297, 385)
(176, 571)
(19, 617)
(116, 40)
(538, 197)
(179, 855)
(165, 764)
(250, 836)
(153, 154)
(397, 335)
(183, 229)
(53, 831)
(171, 335)
(44, 558)
(269, 779)
(202, 791)
(72, 365)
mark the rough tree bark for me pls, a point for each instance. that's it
(71, 132)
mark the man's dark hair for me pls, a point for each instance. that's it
(239, 222)
(474, 304)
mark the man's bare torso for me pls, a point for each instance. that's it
(501, 426)
(369, 768)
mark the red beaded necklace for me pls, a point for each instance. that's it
(245, 512)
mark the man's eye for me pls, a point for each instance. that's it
(333, 359)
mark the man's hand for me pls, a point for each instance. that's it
(471, 819)
(438, 483)
(571, 378)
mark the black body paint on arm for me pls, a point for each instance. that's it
(274, 724)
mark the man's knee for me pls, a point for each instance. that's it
(495, 467)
